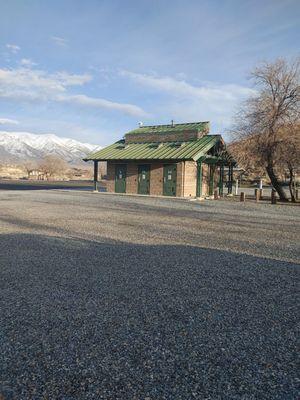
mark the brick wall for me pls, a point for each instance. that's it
(110, 183)
(156, 179)
(190, 179)
(180, 179)
(163, 137)
(185, 184)
(205, 179)
(132, 178)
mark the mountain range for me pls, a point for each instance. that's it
(17, 147)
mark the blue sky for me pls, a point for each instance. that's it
(93, 69)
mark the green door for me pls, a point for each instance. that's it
(120, 178)
(170, 176)
(144, 179)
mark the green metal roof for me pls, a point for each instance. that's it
(197, 126)
(190, 150)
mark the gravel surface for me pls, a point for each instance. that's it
(124, 297)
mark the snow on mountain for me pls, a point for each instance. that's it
(22, 146)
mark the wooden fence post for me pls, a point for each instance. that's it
(257, 194)
(236, 187)
(216, 195)
(273, 197)
(242, 196)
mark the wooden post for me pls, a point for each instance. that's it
(242, 196)
(273, 197)
(230, 173)
(297, 194)
(260, 189)
(257, 194)
(216, 196)
(199, 179)
(221, 180)
(236, 187)
(212, 168)
(95, 176)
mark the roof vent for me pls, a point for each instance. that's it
(178, 144)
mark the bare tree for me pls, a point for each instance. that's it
(52, 165)
(289, 154)
(275, 105)
(29, 167)
(241, 150)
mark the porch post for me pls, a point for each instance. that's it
(95, 176)
(230, 173)
(221, 180)
(199, 179)
(211, 179)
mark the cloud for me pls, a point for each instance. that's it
(186, 101)
(83, 100)
(59, 41)
(178, 87)
(7, 121)
(35, 85)
(27, 63)
(72, 79)
(13, 48)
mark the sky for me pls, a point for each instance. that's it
(93, 69)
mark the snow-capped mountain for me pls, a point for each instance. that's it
(22, 146)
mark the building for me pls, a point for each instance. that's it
(180, 160)
(36, 174)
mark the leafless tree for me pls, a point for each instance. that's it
(261, 119)
(52, 165)
(289, 154)
(29, 167)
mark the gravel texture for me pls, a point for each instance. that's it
(123, 297)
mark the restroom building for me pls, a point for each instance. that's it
(181, 160)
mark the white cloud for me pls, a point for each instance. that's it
(13, 48)
(27, 63)
(72, 79)
(208, 101)
(208, 91)
(59, 41)
(8, 121)
(35, 85)
(83, 100)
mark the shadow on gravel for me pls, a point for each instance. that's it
(15, 185)
(87, 320)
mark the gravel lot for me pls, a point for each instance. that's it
(125, 297)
